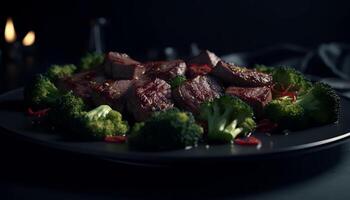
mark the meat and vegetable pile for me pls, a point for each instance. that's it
(166, 105)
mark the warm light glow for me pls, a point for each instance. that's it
(10, 33)
(29, 39)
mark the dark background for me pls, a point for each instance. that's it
(62, 27)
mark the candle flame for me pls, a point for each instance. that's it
(10, 33)
(29, 39)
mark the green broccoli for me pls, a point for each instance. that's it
(90, 60)
(165, 130)
(287, 78)
(41, 92)
(66, 110)
(71, 113)
(101, 122)
(285, 113)
(56, 72)
(227, 117)
(320, 105)
(177, 81)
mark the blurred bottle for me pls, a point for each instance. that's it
(97, 40)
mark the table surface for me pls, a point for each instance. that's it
(29, 171)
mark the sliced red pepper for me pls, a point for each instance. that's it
(115, 139)
(38, 113)
(285, 92)
(251, 140)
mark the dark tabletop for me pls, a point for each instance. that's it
(29, 171)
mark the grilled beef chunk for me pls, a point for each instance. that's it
(195, 70)
(147, 97)
(121, 66)
(165, 69)
(256, 97)
(112, 93)
(204, 58)
(240, 76)
(196, 91)
(81, 83)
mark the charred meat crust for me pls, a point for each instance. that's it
(142, 88)
(112, 93)
(256, 97)
(147, 97)
(81, 83)
(193, 92)
(204, 58)
(165, 69)
(121, 66)
(238, 76)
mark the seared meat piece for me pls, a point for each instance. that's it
(81, 83)
(194, 70)
(165, 69)
(204, 58)
(256, 97)
(196, 91)
(149, 96)
(121, 66)
(111, 93)
(240, 76)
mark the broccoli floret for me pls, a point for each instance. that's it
(71, 113)
(291, 79)
(285, 113)
(320, 105)
(264, 69)
(101, 122)
(90, 60)
(66, 110)
(286, 78)
(41, 92)
(177, 81)
(165, 130)
(227, 117)
(60, 71)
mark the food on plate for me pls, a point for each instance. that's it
(41, 92)
(165, 70)
(121, 66)
(71, 113)
(226, 118)
(318, 106)
(165, 130)
(205, 57)
(90, 60)
(287, 80)
(240, 76)
(176, 104)
(256, 97)
(192, 93)
(177, 81)
(57, 72)
(147, 97)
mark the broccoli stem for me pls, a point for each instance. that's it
(232, 129)
(99, 112)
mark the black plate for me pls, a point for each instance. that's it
(14, 121)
